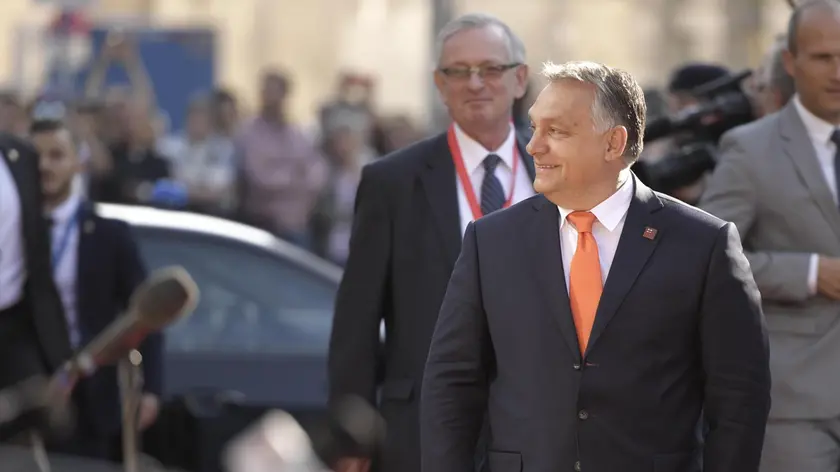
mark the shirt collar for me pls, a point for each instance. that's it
(474, 153)
(611, 211)
(818, 129)
(63, 212)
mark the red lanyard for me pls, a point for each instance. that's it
(464, 177)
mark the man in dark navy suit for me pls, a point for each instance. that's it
(600, 326)
(412, 208)
(96, 267)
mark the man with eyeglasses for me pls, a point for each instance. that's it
(412, 209)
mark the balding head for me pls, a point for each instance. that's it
(808, 11)
(813, 57)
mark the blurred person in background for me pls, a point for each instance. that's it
(355, 97)
(84, 122)
(777, 179)
(224, 108)
(348, 151)
(96, 266)
(412, 208)
(203, 161)
(679, 98)
(773, 86)
(137, 165)
(282, 172)
(128, 126)
(121, 50)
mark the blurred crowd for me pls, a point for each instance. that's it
(296, 181)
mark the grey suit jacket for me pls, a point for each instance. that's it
(769, 183)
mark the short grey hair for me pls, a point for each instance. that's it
(516, 48)
(776, 75)
(619, 100)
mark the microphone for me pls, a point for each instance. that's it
(168, 295)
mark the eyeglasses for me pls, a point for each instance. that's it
(487, 72)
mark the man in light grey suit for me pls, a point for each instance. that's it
(777, 180)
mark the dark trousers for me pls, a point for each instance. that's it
(20, 359)
(20, 354)
(88, 438)
(86, 445)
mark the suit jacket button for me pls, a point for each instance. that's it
(583, 414)
(576, 366)
(577, 466)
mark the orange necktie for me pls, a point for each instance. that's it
(585, 284)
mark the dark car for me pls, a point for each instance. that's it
(257, 340)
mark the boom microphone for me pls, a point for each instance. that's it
(166, 296)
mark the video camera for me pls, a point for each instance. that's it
(723, 106)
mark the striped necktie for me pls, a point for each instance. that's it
(492, 193)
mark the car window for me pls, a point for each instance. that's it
(252, 300)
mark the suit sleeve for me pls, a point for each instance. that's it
(736, 361)
(354, 354)
(731, 196)
(131, 272)
(454, 392)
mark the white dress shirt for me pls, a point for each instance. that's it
(12, 256)
(610, 215)
(820, 132)
(65, 272)
(473, 154)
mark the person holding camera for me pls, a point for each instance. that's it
(777, 180)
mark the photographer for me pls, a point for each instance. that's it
(707, 101)
(777, 181)
(688, 78)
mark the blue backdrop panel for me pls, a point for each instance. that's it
(181, 62)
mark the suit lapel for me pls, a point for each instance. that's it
(547, 262)
(800, 150)
(85, 289)
(634, 250)
(439, 185)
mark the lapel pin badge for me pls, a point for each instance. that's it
(13, 155)
(649, 233)
(88, 227)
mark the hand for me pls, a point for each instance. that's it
(119, 47)
(148, 411)
(828, 277)
(352, 464)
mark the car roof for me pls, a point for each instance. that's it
(210, 225)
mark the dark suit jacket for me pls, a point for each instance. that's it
(406, 238)
(41, 295)
(679, 330)
(109, 270)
